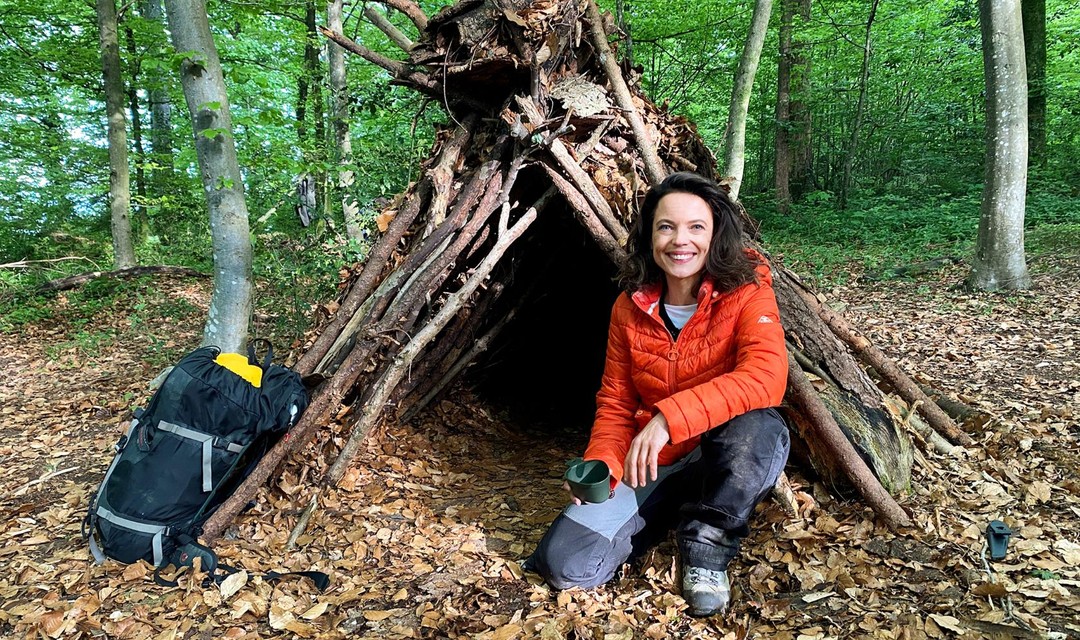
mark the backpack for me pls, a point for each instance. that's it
(201, 434)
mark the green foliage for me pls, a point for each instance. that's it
(917, 169)
(887, 231)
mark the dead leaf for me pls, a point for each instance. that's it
(820, 595)
(233, 583)
(383, 220)
(948, 622)
(315, 611)
(506, 632)
(280, 618)
(136, 571)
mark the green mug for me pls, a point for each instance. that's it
(589, 480)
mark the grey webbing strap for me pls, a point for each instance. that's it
(95, 550)
(157, 530)
(207, 441)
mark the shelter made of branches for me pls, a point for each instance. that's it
(546, 154)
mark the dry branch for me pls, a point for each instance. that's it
(396, 68)
(654, 169)
(412, 10)
(70, 282)
(374, 408)
(396, 36)
(376, 263)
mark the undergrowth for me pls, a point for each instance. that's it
(831, 246)
(295, 272)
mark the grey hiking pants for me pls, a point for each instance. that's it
(710, 493)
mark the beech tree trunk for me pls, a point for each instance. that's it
(119, 174)
(735, 133)
(860, 108)
(802, 124)
(999, 252)
(783, 158)
(542, 131)
(1034, 19)
(156, 84)
(204, 90)
(142, 222)
(339, 115)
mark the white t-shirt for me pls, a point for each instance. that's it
(679, 313)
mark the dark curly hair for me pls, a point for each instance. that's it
(728, 261)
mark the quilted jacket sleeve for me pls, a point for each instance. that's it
(614, 427)
(758, 380)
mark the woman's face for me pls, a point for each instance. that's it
(681, 234)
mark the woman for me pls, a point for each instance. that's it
(684, 419)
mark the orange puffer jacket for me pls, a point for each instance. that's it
(729, 358)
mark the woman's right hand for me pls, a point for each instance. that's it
(573, 498)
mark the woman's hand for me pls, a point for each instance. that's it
(576, 500)
(640, 464)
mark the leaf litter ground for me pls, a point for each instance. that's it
(425, 536)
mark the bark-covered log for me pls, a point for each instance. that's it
(78, 280)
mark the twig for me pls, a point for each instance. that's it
(22, 264)
(45, 478)
(302, 523)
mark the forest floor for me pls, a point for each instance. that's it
(426, 534)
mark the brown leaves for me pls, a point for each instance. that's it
(426, 536)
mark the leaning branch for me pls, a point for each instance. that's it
(376, 404)
(907, 389)
(396, 35)
(653, 167)
(410, 9)
(395, 67)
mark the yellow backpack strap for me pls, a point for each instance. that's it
(240, 365)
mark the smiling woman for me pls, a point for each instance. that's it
(685, 416)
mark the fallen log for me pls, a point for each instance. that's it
(78, 280)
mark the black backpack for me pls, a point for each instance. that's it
(201, 434)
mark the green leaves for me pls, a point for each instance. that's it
(214, 133)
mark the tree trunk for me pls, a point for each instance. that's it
(783, 158)
(999, 252)
(340, 116)
(1034, 18)
(537, 140)
(204, 90)
(142, 223)
(860, 108)
(161, 142)
(802, 125)
(735, 133)
(624, 27)
(119, 176)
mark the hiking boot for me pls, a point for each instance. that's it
(707, 592)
